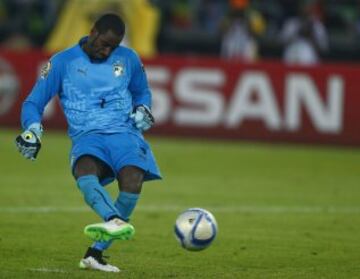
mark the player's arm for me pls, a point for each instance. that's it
(47, 85)
(141, 94)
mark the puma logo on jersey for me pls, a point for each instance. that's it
(82, 71)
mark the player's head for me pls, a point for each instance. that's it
(106, 34)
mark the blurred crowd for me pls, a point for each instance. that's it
(296, 31)
(27, 23)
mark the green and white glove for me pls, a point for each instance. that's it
(29, 142)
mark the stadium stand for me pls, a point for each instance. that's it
(179, 26)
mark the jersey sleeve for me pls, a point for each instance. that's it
(46, 87)
(138, 86)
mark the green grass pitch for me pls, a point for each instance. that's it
(284, 211)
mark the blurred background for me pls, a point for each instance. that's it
(326, 30)
(227, 77)
(277, 70)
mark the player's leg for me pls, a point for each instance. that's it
(87, 171)
(90, 165)
(130, 179)
(133, 158)
(136, 165)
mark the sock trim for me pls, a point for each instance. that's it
(87, 177)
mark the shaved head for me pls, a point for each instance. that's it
(110, 22)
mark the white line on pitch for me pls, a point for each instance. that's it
(51, 270)
(172, 208)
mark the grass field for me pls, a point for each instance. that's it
(283, 212)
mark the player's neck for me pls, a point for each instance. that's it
(85, 48)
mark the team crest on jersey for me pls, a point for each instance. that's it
(118, 69)
(45, 70)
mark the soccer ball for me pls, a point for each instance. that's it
(195, 229)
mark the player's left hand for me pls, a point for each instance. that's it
(142, 117)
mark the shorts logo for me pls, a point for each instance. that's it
(45, 70)
(142, 153)
(118, 69)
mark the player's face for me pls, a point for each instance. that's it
(101, 45)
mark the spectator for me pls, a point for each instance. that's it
(26, 23)
(210, 15)
(304, 37)
(238, 41)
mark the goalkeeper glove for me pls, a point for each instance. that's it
(29, 143)
(142, 117)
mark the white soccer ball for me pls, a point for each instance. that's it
(195, 229)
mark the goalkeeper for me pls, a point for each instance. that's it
(106, 100)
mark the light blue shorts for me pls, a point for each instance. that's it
(117, 151)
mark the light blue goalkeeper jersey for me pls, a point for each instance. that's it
(96, 97)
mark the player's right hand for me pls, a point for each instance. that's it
(29, 143)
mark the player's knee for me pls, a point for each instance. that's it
(130, 179)
(85, 166)
(131, 185)
(134, 188)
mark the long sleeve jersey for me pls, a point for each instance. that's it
(96, 96)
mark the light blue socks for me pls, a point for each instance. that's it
(125, 204)
(97, 197)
